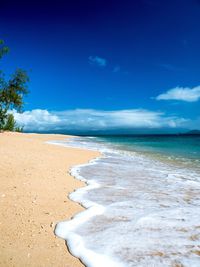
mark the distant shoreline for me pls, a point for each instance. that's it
(99, 134)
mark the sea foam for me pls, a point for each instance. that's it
(139, 212)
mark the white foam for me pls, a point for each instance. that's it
(66, 229)
(140, 212)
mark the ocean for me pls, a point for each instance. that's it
(142, 202)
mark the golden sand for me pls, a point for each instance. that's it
(34, 185)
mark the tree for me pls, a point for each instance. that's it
(3, 49)
(11, 93)
(10, 123)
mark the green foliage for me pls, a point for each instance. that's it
(3, 49)
(11, 94)
(3, 115)
(18, 129)
(10, 123)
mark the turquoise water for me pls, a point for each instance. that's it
(185, 148)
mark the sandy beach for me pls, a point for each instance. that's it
(34, 185)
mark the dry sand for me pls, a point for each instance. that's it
(34, 185)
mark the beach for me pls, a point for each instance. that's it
(146, 194)
(34, 188)
(142, 202)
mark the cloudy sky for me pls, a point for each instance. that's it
(106, 65)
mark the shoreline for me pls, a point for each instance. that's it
(148, 204)
(35, 185)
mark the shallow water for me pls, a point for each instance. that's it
(141, 211)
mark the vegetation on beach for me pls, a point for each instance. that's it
(11, 94)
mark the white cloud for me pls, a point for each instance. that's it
(91, 120)
(181, 93)
(97, 61)
(36, 119)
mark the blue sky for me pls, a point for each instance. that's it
(106, 57)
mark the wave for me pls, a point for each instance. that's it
(139, 211)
